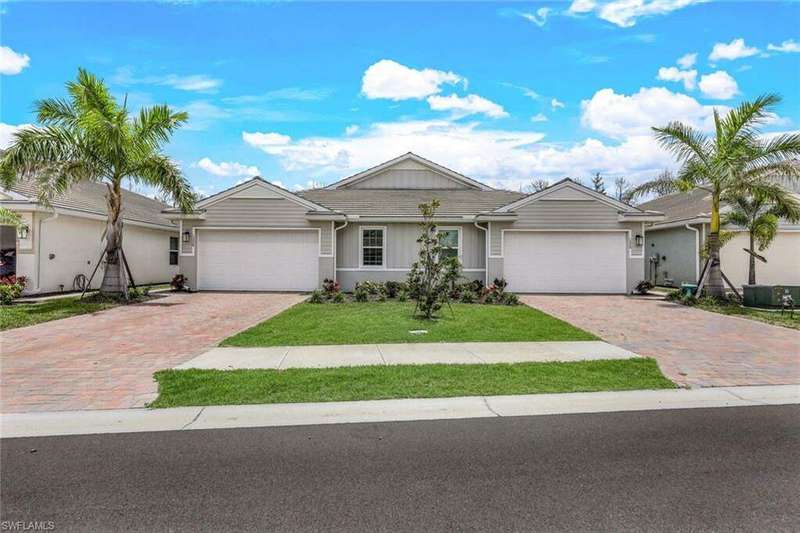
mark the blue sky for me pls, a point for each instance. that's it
(303, 92)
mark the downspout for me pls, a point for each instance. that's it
(485, 253)
(336, 246)
(696, 252)
(39, 249)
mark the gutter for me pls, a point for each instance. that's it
(485, 252)
(336, 245)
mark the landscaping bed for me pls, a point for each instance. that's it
(393, 321)
(237, 387)
(734, 308)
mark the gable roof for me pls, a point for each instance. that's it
(682, 205)
(405, 202)
(247, 189)
(569, 184)
(457, 178)
(90, 197)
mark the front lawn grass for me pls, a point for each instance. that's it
(27, 314)
(390, 322)
(237, 387)
(734, 309)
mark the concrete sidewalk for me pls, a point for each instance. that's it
(299, 414)
(280, 357)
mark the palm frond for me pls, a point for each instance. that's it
(10, 218)
(155, 124)
(161, 172)
(683, 141)
(742, 121)
(56, 111)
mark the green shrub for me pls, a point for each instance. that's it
(509, 298)
(392, 288)
(338, 298)
(468, 297)
(9, 293)
(402, 296)
(317, 297)
(360, 293)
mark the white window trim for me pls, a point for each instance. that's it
(361, 264)
(176, 250)
(460, 238)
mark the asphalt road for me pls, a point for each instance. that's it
(700, 469)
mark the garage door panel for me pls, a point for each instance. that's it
(580, 262)
(258, 260)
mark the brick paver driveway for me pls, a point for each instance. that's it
(693, 347)
(106, 360)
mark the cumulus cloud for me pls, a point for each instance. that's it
(555, 103)
(390, 80)
(193, 82)
(227, 169)
(687, 61)
(7, 132)
(261, 140)
(688, 77)
(462, 106)
(12, 62)
(624, 13)
(719, 85)
(351, 129)
(622, 116)
(539, 117)
(735, 49)
(539, 17)
(788, 45)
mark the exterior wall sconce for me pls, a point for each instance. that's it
(186, 236)
(639, 240)
(22, 232)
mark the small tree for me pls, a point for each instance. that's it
(597, 183)
(431, 277)
(624, 191)
(535, 185)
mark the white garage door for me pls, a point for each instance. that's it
(258, 260)
(565, 262)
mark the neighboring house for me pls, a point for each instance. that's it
(66, 239)
(257, 236)
(674, 245)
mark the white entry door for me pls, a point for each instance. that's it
(579, 262)
(258, 260)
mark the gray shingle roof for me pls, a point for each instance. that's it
(90, 196)
(681, 205)
(399, 202)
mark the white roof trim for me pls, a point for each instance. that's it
(567, 183)
(11, 195)
(259, 182)
(446, 172)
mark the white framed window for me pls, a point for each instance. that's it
(173, 250)
(372, 242)
(451, 241)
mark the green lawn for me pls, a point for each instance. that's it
(28, 314)
(761, 315)
(237, 387)
(390, 322)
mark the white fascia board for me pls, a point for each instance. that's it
(259, 182)
(679, 223)
(641, 217)
(567, 183)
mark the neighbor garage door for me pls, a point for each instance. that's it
(258, 260)
(565, 262)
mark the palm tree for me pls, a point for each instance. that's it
(759, 213)
(89, 136)
(10, 218)
(736, 161)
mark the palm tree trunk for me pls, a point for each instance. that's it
(751, 273)
(115, 279)
(715, 287)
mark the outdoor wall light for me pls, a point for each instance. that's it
(22, 232)
(186, 236)
(639, 240)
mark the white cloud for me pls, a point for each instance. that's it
(262, 140)
(719, 85)
(310, 184)
(688, 77)
(462, 106)
(12, 62)
(687, 61)
(622, 116)
(202, 114)
(193, 82)
(539, 117)
(788, 45)
(527, 91)
(735, 49)
(582, 6)
(7, 132)
(539, 17)
(389, 79)
(555, 103)
(227, 169)
(351, 129)
(624, 13)
(287, 93)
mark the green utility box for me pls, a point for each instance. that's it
(769, 295)
(688, 289)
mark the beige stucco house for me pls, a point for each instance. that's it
(65, 239)
(258, 236)
(674, 245)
